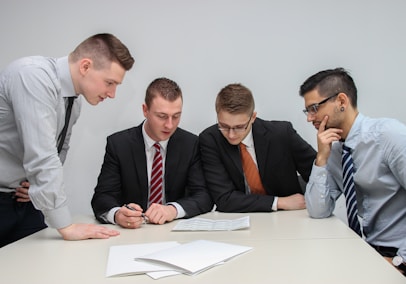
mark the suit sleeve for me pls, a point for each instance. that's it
(196, 199)
(108, 189)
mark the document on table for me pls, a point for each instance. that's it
(202, 224)
(163, 259)
(194, 257)
(121, 259)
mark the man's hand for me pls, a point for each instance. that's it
(22, 192)
(325, 137)
(159, 214)
(129, 216)
(292, 202)
(75, 232)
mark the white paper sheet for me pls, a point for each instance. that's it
(202, 224)
(194, 257)
(121, 258)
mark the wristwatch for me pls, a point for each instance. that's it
(398, 262)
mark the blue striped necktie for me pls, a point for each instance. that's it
(349, 190)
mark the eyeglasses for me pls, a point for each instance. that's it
(239, 128)
(314, 108)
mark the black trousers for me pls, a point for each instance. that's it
(388, 252)
(17, 219)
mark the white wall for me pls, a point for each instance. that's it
(270, 46)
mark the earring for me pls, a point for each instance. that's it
(342, 109)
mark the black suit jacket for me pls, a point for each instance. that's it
(123, 177)
(281, 154)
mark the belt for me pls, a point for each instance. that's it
(7, 194)
(386, 251)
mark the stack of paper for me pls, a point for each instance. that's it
(202, 224)
(169, 258)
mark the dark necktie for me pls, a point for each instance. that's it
(251, 171)
(155, 195)
(62, 135)
(349, 190)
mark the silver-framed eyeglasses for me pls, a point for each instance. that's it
(238, 128)
(314, 108)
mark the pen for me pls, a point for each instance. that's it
(145, 218)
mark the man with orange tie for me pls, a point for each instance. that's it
(152, 172)
(252, 165)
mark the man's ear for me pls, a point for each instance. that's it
(254, 116)
(85, 65)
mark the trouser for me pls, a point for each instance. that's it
(17, 219)
(388, 252)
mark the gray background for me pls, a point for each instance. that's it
(269, 46)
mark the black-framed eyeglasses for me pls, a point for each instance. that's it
(238, 128)
(314, 108)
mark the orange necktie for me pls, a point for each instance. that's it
(251, 171)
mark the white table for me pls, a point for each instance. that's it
(288, 247)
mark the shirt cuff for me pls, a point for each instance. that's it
(109, 216)
(58, 218)
(318, 175)
(180, 211)
(275, 204)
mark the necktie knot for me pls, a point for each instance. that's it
(346, 149)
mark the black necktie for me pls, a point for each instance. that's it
(62, 136)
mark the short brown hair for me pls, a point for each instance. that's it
(236, 99)
(103, 49)
(163, 87)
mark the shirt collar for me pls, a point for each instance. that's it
(149, 142)
(249, 140)
(352, 138)
(67, 88)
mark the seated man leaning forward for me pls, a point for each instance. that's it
(252, 165)
(152, 172)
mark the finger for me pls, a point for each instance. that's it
(25, 184)
(105, 234)
(323, 123)
(22, 199)
(135, 206)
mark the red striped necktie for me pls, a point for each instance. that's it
(155, 193)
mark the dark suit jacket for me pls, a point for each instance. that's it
(123, 177)
(281, 154)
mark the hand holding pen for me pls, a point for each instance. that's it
(144, 218)
(130, 216)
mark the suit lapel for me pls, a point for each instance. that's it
(172, 161)
(261, 143)
(138, 154)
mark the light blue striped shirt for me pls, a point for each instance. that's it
(379, 154)
(32, 115)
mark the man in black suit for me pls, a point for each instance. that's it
(275, 148)
(122, 195)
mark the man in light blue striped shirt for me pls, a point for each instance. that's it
(379, 155)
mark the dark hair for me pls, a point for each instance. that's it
(235, 98)
(330, 82)
(103, 49)
(163, 87)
